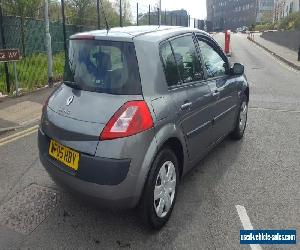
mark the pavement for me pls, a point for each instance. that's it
(20, 112)
(282, 53)
(256, 178)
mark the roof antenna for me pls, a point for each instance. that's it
(106, 23)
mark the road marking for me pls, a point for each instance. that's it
(246, 223)
(18, 135)
(9, 129)
(22, 124)
(33, 120)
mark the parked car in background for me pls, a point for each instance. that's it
(242, 29)
(137, 109)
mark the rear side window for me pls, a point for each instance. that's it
(187, 59)
(171, 70)
(103, 66)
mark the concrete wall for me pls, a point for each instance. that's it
(289, 39)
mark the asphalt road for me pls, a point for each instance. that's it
(260, 173)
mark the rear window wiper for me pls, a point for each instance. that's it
(72, 84)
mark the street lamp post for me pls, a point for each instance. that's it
(64, 28)
(4, 47)
(149, 15)
(121, 22)
(159, 18)
(213, 17)
(137, 14)
(98, 14)
(158, 14)
(48, 45)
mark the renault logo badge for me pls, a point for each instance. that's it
(70, 100)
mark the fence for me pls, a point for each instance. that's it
(29, 35)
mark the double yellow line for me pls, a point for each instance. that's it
(18, 135)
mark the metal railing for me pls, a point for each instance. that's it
(42, 35)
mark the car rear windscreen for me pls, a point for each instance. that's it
(103, 66)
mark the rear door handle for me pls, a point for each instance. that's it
(186, 105)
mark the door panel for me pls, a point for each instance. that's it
(226, 99)
(197, 106)
(221, 85)
(197, 126)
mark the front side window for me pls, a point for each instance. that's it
(186, 57)
(214, 63)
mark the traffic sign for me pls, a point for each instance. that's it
(9, 55)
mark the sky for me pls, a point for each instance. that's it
(195, 8)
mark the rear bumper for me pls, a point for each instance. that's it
(104, 180)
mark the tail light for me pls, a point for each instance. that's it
(132, 118)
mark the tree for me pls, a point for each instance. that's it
(126, 11)
(84, 12)
(267, 17)
(54, 10)
(23, 9)
(79, 10)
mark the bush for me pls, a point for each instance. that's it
(32, 71)
(291, 22)
(297, 21)
(267, 26)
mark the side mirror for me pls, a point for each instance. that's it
(237, 69)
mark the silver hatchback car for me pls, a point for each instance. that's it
(137, 109)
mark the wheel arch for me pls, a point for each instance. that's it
(172, 136)
(175, 145)
(246, 92)
(167, 136)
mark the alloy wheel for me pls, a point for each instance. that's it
(165, 188)
(243, 116)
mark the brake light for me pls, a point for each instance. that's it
(83, 37)
(132, 118)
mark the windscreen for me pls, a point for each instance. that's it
(103, 66)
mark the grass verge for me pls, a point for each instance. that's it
(32, 72)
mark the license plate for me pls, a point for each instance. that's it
(63, 154)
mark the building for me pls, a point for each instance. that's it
(232, 14)
(265, 9)
(174, 17)
(282, 8)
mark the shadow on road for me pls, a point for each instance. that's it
(86, 224)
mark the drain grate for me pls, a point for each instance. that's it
(25, 211)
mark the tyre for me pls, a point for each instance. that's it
(160, 190)
(241, 121)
